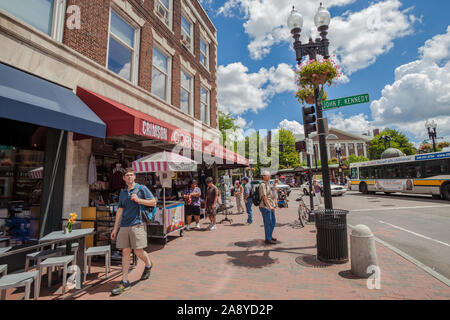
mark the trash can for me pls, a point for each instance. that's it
(332, 242)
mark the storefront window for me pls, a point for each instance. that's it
(204, 109)
(38, 13)
(122, 47)
(160, 74)
(21, 177)
(186, 93)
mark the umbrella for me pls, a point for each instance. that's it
(36, 173)
(165, 162)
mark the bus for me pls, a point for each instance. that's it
(417, 174)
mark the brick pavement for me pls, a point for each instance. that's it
(233, 262)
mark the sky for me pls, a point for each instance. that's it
(397, 51)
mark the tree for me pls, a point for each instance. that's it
(288, 157)
(399, 141)
(226, 122)
(353, 159)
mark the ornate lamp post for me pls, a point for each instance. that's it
(311, 49)
(431, 127)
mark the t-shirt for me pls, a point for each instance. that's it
(131, 215)
(211, 194)
(195, 201)
(266, 190)
(116, 176)
(248, 190)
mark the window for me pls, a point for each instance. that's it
(163, 9)
(351, 148)
(393, 172)
(204, 54)
(354, 173)
(122, 48)
(45, 15)
(378, 172)
(186, 93)
(204, 105)
(435, 167)
(413, 170)
(186, 33)
(161, 74)
(364, 173)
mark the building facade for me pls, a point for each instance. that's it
(145, 70)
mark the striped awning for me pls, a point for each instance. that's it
(163, 162)
(37, 173)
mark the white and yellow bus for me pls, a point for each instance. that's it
(418, 174)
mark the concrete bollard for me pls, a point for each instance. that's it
(363, 253)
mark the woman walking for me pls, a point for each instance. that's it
(317, 191)
(238, 191)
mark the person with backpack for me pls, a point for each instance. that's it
(248, 199)
(267, 208)
(132, 233)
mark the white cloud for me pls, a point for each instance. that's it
(421, 91)
(294, 126)
(357, 124)
(240, 91)
(358, 38)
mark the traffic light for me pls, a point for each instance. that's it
(309, 119)
(300, 146)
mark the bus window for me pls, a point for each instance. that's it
(412, 170)
(435, 167)
(393, 172)
(378, 172)
(354, 173)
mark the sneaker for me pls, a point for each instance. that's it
(146, 273)
(198, 226)
(213, 227)
(188, 227)
(121, 288)
(270, 242)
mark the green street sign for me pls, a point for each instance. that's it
(347, 101)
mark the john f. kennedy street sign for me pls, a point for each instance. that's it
(347, 101)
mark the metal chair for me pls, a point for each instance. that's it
(97, 251)
(74, 248)
(38, 256)
(56, 262)
(23, 279)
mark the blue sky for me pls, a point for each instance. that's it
(371, 39)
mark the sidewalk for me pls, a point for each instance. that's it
(233, 262)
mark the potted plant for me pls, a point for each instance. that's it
(306, 94)
(315, 73)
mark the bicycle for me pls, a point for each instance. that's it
(303, 211)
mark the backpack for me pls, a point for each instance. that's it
(147, 212)
(256, 199)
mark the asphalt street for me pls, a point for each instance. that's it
(417, 225)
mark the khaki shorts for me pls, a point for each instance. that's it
(134, 237)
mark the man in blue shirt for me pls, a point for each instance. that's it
(248, 199)
(133, 231)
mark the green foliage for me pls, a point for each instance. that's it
(399, 141)
(353, 159)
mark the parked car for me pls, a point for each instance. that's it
(336, 190)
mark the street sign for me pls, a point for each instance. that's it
(309, 146)
(347, 101)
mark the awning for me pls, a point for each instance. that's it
(164, 161)
(27, 98)
(122, 120)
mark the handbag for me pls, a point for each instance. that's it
(147, 212)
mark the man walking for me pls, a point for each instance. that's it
(211, 200)
(238, 190)
(267, 208)
(248, 199)
(133, 232)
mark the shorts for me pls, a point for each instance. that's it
(134, 237)
(192, 210)
(211, 212)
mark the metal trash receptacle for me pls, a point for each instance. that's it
(332, 241)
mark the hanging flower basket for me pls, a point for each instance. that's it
(316, 73)
(306, 94)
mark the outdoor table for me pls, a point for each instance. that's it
(80, 234)
(4, 249)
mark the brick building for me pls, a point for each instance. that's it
(143, 72)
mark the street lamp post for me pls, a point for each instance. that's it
(312, 49)
(431, 127)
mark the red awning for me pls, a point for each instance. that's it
(122, 120)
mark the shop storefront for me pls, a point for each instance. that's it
(35, 117)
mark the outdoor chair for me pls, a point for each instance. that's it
(38, 256)
(74, 248)
(62, 262)
(3, 269)
(97, 251)
(23, 279)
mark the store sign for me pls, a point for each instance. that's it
(154, 131)
(182, 139)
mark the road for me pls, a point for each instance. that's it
(417, 225)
